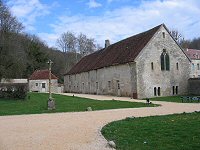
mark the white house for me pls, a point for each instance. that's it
(39, 81)
(194, 55)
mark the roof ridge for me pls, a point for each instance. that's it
(121, 52)
(41, 74)
(138, 34)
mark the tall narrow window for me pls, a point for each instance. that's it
(177, 67)
(155, 93)
(152, 66)
(173, 90)
(158, 91)
(193, 66)
(162, 57)
(163, 34)
(176, 89)
(165, 62)
(198, 67)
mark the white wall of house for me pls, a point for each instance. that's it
(43, 85)
(195, 69)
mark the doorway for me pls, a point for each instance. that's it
(43, 87)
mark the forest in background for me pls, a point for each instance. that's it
(22, 53)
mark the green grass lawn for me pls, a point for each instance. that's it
(171, 99)
(38, 104)
(172, 132)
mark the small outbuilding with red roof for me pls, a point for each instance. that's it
(39, 81)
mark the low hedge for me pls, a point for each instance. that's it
(13, 90)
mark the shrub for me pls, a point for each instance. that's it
(13, 90)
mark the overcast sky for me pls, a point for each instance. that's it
(105, 19)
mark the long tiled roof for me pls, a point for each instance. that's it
(41, 75)
(193, 54)
(119, 53)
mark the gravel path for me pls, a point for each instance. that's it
(73, 131)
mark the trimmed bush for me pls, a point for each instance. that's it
(13, 90)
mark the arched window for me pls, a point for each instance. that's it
(167, 61)
(164, 59)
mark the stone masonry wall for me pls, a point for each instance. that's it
(113, 80)
(38, 88)
(194, 86)
(149, 78)
(138, 79)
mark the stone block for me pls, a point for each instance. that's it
(51, 104)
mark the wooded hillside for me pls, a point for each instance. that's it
(22, 53)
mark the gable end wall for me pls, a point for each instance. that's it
(148, 78)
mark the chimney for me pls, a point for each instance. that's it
(107, 43)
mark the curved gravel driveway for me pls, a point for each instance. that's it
(73, 131)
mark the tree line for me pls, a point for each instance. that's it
(191, 44)
(79, 45)
(22, 53)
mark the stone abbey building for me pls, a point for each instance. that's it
(148, 64)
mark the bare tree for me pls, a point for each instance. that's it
(91, 47)
(8, 22)
(75, 47)
(67, 42)
(81, 43)
(85, 45)
(177, 35)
